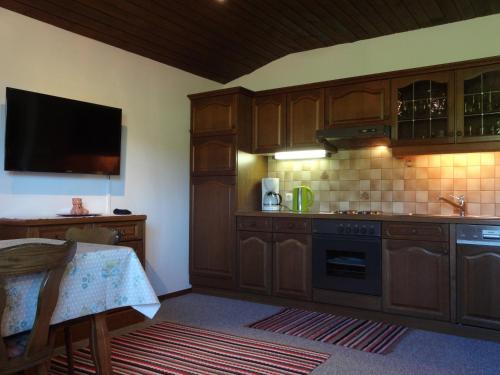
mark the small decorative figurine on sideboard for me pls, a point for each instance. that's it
(78, 208)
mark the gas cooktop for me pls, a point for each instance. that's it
(356, 212)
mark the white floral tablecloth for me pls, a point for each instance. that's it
(99, 278)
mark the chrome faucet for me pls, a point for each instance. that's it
(458, 202)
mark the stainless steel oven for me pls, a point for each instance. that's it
(347, 256)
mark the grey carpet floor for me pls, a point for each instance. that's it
(419, 352)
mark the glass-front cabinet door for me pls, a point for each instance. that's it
(478, 104)
(423, 109)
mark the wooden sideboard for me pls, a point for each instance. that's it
(132, 234)
(130, 228)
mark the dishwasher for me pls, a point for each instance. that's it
(478, 275)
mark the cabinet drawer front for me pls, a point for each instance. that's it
(259, 224)
(286, 225)
(213, 155)
(56, 232)
(128, 231)
(416, 231)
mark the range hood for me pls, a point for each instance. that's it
(355, 136)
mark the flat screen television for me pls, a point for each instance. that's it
(47, 133)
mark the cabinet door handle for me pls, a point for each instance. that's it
(459, 133)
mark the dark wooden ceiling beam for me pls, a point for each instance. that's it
(481, 7)
(265, 22)
(415, 8)
(465, 9)
(350, 7)
(370, 13)
(302, 30)
(147, 23)
(403, 14)
(214, 28)
(80, 14)
(297, 34)
(99, 13)
(63, 23)
(343, 18)
(433, 11)
(388, 15)
(320, 29)
(221, 22)
(224, 40)
(331, 17)
(449, 9)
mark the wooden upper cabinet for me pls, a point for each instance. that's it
(215, 114)
(423, 109)
(478, 104)
(478, 276)
(269, 118)
(367, 102)
(214, 155)
(305, 115)
(416, 278)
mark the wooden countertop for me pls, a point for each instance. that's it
(56, 220)
(453, 219)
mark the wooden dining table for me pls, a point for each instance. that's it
(98, 279)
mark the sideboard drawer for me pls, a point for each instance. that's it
(56, 232)
(256, 224)
(291, 225)
(128, 231)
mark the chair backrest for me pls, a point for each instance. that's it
(99, 235)
(32, 258)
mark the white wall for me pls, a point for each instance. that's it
(472, 39)
(155, 170)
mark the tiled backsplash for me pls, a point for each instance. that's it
(372, 179)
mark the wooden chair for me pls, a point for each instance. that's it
(37, 345)
(99, 235)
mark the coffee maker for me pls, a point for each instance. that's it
(271, 198)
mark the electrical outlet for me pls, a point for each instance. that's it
(288, 197)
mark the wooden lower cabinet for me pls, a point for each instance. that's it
(212, 231)
(292, 265)
(416, 278)
(478, 276)
(255, 261)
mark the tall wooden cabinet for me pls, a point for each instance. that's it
(224, 177)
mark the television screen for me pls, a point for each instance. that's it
(46, 133)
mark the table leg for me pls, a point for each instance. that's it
(99, 342)
(68, 342)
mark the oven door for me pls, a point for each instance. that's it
(347, 264)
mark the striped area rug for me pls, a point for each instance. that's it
(365, 335)
(169, 348)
